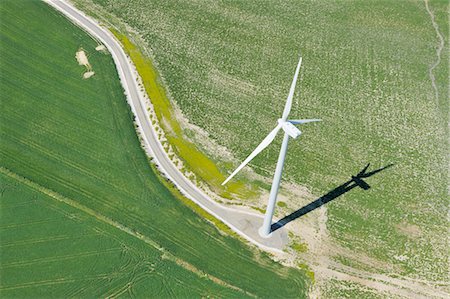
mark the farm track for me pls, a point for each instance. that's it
(385, 69)
(439, 49)
(56, 147)
(235, 219)
(166, 255)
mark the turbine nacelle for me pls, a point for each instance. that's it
(287, 126)
(289, 129)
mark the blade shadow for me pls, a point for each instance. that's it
(355, 181)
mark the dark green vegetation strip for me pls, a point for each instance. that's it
(76, 138)
(229, 64)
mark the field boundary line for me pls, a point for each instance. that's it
(43, 240)
(165, 254)
(28, 223)
(151, 143)
(50, 259)
(52, 282)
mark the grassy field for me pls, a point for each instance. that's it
(189, 153)
(52, 249)
(82, 212)
(366, 73)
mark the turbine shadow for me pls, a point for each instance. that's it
(355, 181)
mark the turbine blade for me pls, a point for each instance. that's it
(288, 106)
(269, 138)
(303, 121)
(363, 172)
(369, 174)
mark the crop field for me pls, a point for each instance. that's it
(83, 213)
(50, 249)
(376, 72)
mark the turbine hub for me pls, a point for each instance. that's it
(290, 129)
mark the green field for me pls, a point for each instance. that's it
(366, 72)
(50, 249)
(82, 212)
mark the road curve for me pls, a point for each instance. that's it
(244, 223)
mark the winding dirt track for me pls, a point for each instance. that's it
(438, 52)
(244, 223)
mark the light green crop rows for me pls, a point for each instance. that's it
(74, 139)
(229, 64)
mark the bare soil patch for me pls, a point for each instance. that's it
(82, 59)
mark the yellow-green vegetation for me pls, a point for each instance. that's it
(53, 247)
(258, 209)
(196, 208)
(307, 270)
(281, 204)
(299, 247)
(371, 71)
(194, 160)
(82, 212)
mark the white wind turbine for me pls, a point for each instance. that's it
(289, 130)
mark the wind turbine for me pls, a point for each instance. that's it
(289, 131)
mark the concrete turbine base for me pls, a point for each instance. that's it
(263, 234)
(251, 226)
(242, 222)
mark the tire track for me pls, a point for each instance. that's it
(78, 167)
(438, 53)
(16, 225)
(57, 258)
(52, 282)
(44, 240)
(84, 193)
(165, 254)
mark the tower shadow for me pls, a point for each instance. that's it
(355, 181)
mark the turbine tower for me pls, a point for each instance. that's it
(289, 131)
